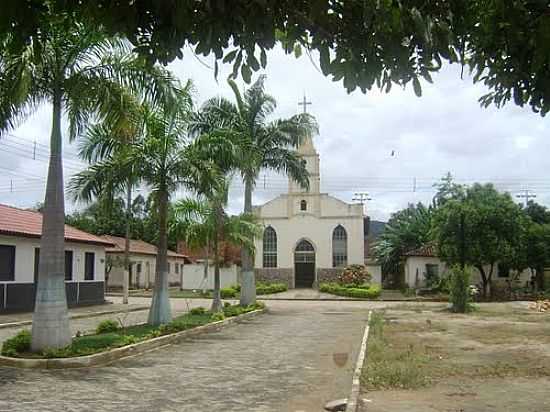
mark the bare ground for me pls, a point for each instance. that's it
(427, 359)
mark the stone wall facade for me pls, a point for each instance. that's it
(275, 275)
(328, 274)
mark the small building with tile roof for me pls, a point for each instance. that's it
(143, 257)
(20, 233)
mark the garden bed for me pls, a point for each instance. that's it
(112, 342)
(361, 292)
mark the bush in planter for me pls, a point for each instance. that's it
(370, 292)
(216, 317)
(107, 326)
(197, 311)
(354, 276)
(18, 344)
(268, 288)
(228, 293)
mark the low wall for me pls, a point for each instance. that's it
(193, 276)
(19, 297)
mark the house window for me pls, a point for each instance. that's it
(7, 262)
(167, 267)
(138, 268)
(303, 205)
(89, 266)
(270, 248)
(68, 265)
(339, 247)
(176, 268)
(503, 271)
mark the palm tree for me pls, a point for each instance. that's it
(164, 159)
(107, 141)
(264, 145)
(80, 71)
(204, 219)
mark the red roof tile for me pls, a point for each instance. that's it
(28, 223)
(423, 251)
(138, 247)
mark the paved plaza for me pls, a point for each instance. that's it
(294, 358)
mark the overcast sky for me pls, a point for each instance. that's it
(443, 131)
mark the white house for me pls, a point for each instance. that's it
(308, 236)
(422, 262)
(20, 232)
(143, 257)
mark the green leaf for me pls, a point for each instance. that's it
(416, 87)
(324, 59)
(263, 59)
(246, 72)
(297, 50)
(253, 62)
(216, 70)
(230, 56)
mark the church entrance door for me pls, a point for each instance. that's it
(304, 265)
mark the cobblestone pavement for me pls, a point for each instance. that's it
(294, 358)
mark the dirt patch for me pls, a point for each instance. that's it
(497, 358)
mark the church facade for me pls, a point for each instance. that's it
(308, 236)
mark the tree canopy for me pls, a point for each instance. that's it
(362, 43)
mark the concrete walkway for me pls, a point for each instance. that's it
(294, 358)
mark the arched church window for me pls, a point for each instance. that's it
(339, 247)
(303, 205)
(270, 248)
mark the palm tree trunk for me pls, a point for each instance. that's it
(160, 311)
(248, 282)
(127, 263)
(206, 263)
(50, 321)
(217, 301)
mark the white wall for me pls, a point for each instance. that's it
(24, 258)
(193, 276)
(146, 278)
(418, 263)
(375, 270)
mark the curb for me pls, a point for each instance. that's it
(353, 400)
(109, 356)
(77, 316)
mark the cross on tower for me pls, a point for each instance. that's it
(304, 103)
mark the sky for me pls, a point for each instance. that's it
(393, 146)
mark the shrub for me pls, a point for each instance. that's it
(354, 276)
(371, 292)
(198, 311)
(228, 293)
(460, 296)
(18, 344)
(107, 326)
(236, 286)
(216, 317)
(268, 288)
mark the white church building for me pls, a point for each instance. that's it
(309, 236)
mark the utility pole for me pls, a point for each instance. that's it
(304, 103)
(527, 194)
(362, 198)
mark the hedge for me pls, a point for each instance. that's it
(268, 288)
(367, 292)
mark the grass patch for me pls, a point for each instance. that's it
(407, 350)
(19, 345)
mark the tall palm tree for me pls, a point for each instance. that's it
(264, 144)
(164, 159)
(203, 219)
(79, 71)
